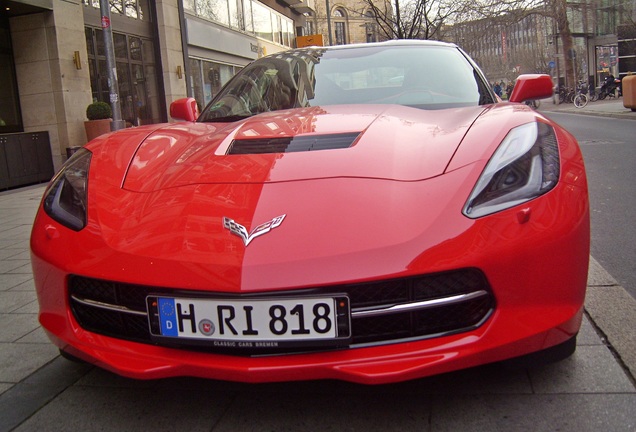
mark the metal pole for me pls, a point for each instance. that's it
(329, 21)
(113, 85)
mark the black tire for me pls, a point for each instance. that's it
(547, 356)
(71, 357)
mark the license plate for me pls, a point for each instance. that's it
(229, 322)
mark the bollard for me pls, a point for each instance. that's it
(629, 91)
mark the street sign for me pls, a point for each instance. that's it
(551, 65)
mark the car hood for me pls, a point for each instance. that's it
(369, 141)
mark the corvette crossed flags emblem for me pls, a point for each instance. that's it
(241, 231)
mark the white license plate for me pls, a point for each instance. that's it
(252, 320)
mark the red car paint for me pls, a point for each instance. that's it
(389, 206)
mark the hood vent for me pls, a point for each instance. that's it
(293, 144)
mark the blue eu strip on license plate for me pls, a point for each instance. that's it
(168, 314)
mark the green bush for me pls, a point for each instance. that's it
(98, 111)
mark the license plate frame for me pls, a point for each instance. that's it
(246, 322)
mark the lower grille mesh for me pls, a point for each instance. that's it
(86, 293)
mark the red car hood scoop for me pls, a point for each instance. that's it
(292, 144)
(364, 141)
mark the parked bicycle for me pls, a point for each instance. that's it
(581, 99)
(566, 94)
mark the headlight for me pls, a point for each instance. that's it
(525, 166)
(66, 198)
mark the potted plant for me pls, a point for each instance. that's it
(99, 117)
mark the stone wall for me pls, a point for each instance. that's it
(53, 92)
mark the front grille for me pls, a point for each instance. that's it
(381, 312)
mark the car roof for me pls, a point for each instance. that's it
(389, 43)
(394, 42)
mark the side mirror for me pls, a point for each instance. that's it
(531, 87)
(184, 109)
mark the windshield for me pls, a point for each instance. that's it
(426, 77)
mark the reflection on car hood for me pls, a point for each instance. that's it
(388, 142)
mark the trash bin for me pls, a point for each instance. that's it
(629, 91)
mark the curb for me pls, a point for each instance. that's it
(611, 109)
(613, 312)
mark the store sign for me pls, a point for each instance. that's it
(310, 40)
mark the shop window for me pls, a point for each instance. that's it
(189, 6)
(214, 10)
(236, 16)
(262, 21)
(246, 15)
(207, 78)
(136, 75)
(278, 29)
(249, 23)
(137, 9)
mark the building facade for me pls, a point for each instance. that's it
(602, 44)
(350, 21)
(53, 57)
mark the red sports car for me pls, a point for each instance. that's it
(370, 213)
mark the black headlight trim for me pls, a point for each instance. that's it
(66, 199)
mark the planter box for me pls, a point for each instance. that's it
(25, 158)
(95, 128)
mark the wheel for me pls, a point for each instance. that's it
(547, 356)
(593, 97)
(71, 357)
(580, 100)
(602, 95)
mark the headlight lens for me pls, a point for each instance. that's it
(66, 198)
(525, 166)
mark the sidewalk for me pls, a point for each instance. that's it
(592, 390)
(609, 107)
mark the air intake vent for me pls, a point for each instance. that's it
(293, 144)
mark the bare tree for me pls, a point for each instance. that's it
(509, 12)
(413, 19)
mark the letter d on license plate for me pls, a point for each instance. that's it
(301, 319)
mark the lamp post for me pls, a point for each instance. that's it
(113, 85)
(329, 21)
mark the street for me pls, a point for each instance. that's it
(609, 150)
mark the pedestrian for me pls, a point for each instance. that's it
(497, 89)
(509, 88)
